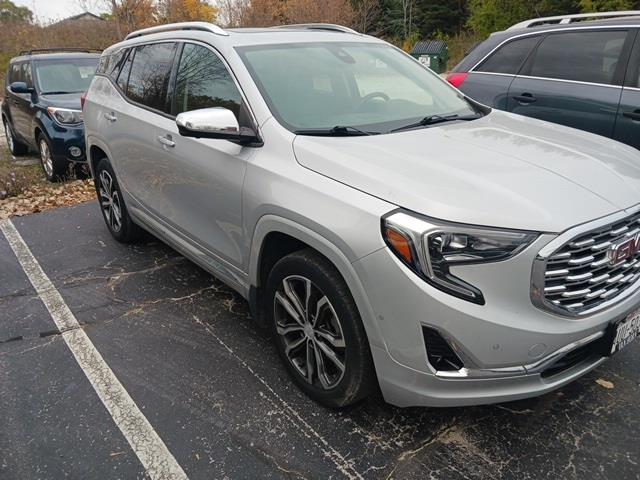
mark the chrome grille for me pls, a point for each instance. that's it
(579, 276)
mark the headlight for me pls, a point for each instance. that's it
(431, 247)
(65, 116)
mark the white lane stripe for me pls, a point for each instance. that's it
(145, 442)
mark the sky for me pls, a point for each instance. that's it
(48, 10)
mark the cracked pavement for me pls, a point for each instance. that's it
(208, 380)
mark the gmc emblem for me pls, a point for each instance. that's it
(624, 250)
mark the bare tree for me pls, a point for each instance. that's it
(231, 13)
(366, 16)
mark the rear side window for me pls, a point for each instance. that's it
(580, 56)
(123, 76)
(115, 63)
(203, 81)
(150, 72)
(510, 57)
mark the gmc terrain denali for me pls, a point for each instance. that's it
(387, 229)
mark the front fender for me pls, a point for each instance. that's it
(273, 223)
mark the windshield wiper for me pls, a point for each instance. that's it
(433, 119)
(337, 131)
(61, 92)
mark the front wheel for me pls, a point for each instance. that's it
(112, 204)
(318, 331)
(54, 169)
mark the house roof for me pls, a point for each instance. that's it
(81, 17)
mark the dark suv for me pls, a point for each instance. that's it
(41, 110)
(581, 74)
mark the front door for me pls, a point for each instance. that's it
(21, 103)
(574, 79)
(202, 185)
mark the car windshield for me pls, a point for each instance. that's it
(71, 75)
(311, 87)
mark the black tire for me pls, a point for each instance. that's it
(358, 379)
(124, 231)
(16, 147)
(54, 169)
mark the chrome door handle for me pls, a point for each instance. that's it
(166, 141)
(110, 116)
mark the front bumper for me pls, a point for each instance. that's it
(63, 139)
(506, 345)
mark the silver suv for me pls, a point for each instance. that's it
(388, 230)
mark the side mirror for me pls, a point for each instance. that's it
(20, 87)
(216, 122)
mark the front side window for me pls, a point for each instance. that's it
(203, 81)
(591, 56)
(509, 58)
(26, 74)
(150, 73)
(16, 73)
(71, 75)
(369, 86)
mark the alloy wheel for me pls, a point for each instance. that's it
(45, 158)
(310, 330)
(110, 201)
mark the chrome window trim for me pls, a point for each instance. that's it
(553, 79)
(546, 32)
(539, 266)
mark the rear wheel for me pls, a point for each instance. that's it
(15, 147)
(54, 170)
(112, 204)
(318, 331)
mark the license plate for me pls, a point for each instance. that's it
(626, 331)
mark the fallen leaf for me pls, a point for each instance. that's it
(604, 383)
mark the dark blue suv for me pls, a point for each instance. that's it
(41, 110)
(572, 70)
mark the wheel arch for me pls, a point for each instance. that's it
(275, 237)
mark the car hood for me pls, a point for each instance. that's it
(66, 100)
(502, 170)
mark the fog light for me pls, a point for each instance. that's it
(75, 151)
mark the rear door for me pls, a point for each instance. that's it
(132, 123)
(627, 128)
(489, 81)
(574, 78)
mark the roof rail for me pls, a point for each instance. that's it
(318, 26)
(171, 27)
(565, 19)
(61, 49)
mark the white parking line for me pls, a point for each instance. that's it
(145, 442)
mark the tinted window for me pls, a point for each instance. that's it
(26, 74)
(115, 63)
(203, 81)
(150, 72)
(510, 57)
(16, 73)
(123, 76)
(581, 56)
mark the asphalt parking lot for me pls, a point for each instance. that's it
(209, 383)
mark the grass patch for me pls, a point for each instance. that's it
(16, 179)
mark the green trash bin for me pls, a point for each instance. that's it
(432, 53)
